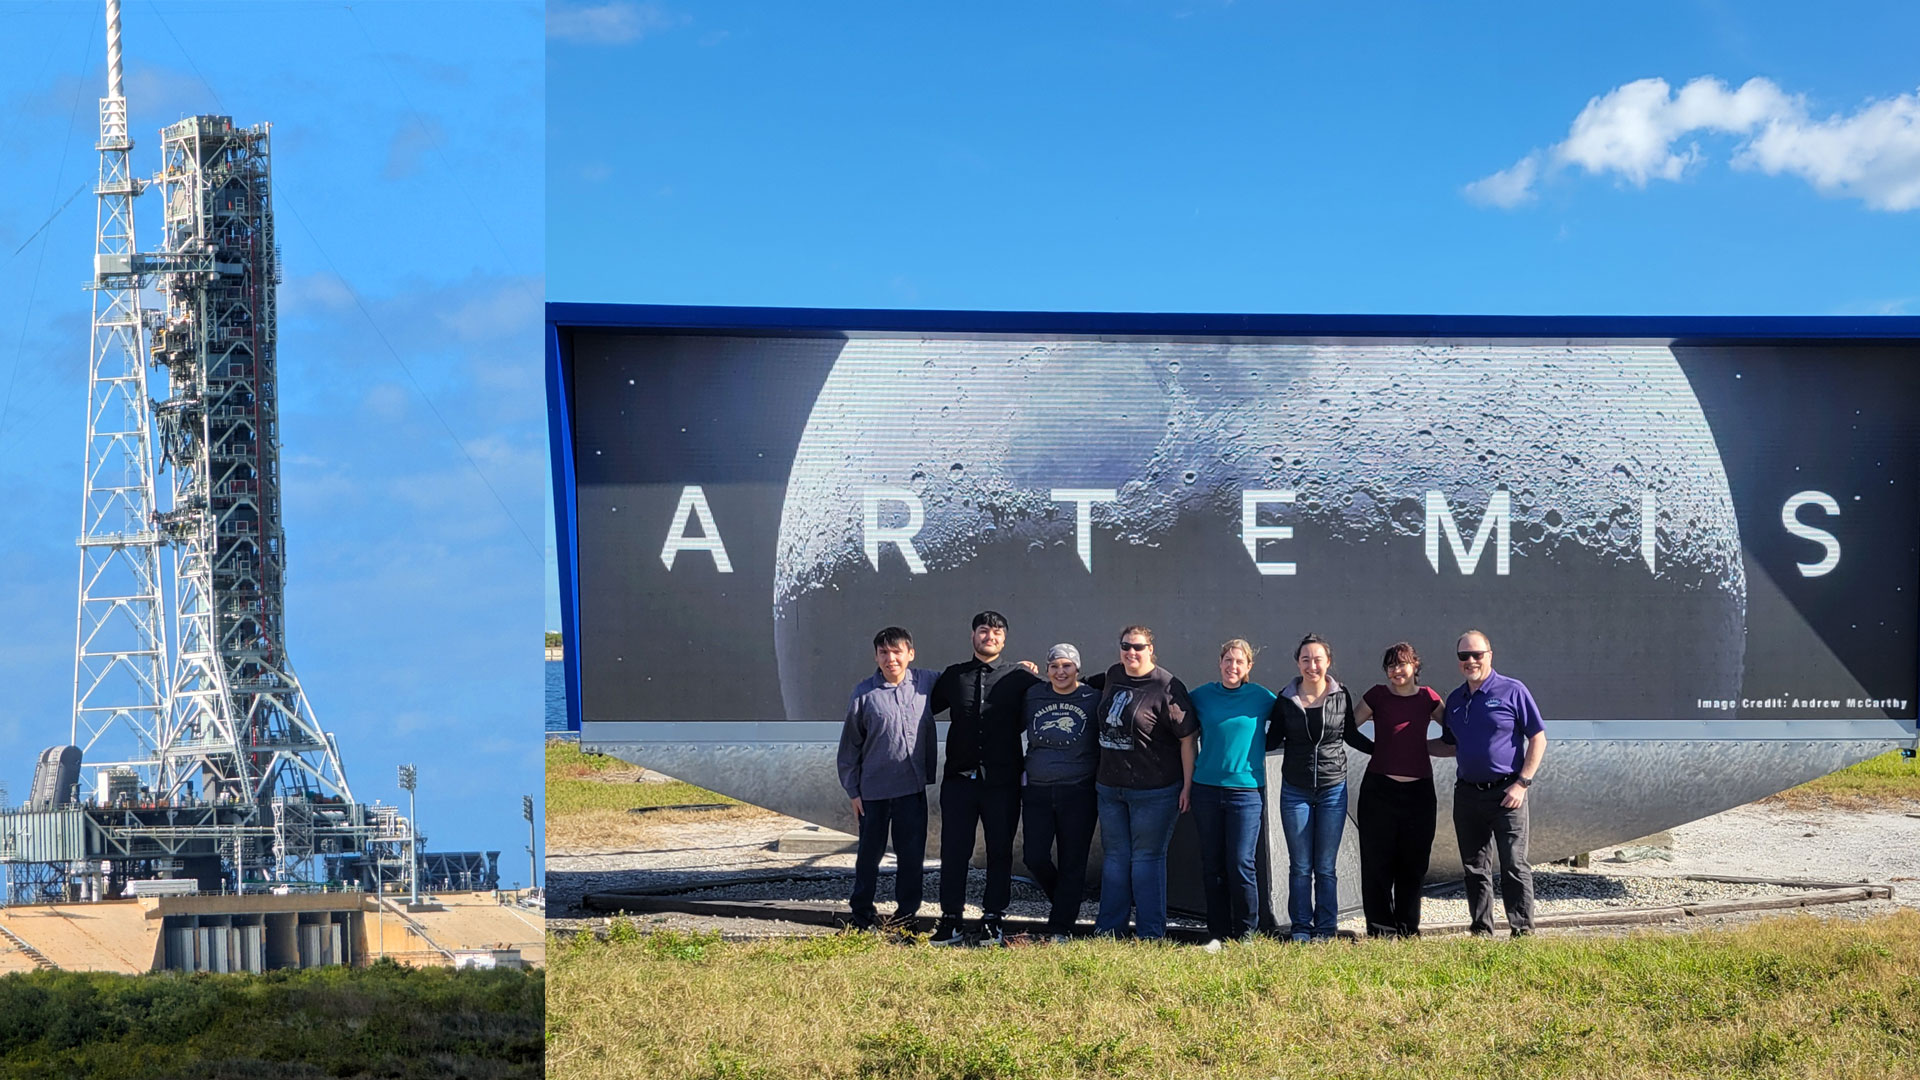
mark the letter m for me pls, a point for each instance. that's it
(1497, 522)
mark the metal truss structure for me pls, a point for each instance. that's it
(120, 650)
(240, 724)
(463, 871)
(215, 771)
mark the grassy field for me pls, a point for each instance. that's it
(1887, 780)
(1792, 997)
(382, 1021)
(589, 797)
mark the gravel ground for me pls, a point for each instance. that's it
(1753, 841)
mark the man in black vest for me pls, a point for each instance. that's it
(980, 786)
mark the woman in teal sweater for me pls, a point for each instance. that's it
(1228, 776)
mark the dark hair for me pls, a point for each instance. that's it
(1401, 653)
(990, 618)
(1313, 639)
(1141, 630)
(892, 635)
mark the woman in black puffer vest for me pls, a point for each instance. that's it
(1311, 720)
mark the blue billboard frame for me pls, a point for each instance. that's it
(565, 318)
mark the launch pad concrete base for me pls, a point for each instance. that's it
(128, 935)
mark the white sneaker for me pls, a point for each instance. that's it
(1213, 945)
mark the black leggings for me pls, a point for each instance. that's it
(1396, 841)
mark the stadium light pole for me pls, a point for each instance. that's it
(533, 860)
(409, 777)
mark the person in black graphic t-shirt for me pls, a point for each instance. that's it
(1147, 742)
(980, 786)
(1058, 800)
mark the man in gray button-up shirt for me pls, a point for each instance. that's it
(888, 754)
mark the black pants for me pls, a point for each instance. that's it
(1480, 823)
(1066, 813)
(966, 805)
(1396, 841)
(907, 817)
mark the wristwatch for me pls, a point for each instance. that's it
(1523, 781)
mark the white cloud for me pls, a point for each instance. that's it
(1873, 155)
(613, 23)
(1509, 187)
(1640, 131)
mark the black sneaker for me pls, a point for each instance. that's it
(947, 933)
(862, 923)
(991, 932)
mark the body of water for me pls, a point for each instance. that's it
(556, 696)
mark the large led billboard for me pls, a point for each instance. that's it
(1647, 530)
(1694, 539)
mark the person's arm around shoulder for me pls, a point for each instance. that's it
(1530, 723)
(1351, 728)
(929, 735)
(853, 740)
(1277, 723)
(1447, 745)
(1363, 712)
(945, 691)
(1184, 720)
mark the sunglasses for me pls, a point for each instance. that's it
(1471, 655)
(1134, 646)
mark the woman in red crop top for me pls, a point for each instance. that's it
(1396, 797)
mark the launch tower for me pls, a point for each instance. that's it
(209, 769)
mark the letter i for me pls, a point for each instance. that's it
(1649, 521)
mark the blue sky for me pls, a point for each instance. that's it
(1201, 156)
(408, 187)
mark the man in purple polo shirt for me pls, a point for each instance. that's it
(1499, 739)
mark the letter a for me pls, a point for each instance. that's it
(1496, 523)
(694, 501)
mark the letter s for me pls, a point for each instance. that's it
(1790, 517)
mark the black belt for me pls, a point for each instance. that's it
(1498, 782)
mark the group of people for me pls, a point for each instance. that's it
(1132, 748)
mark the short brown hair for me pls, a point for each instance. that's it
(1400, 653)
(1141, 630)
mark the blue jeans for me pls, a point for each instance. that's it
(1313, 822)
(1229, 823)
(1136, 827)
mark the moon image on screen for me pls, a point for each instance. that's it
(1578, 441)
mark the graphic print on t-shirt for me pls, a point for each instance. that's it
(1058, 725)
(1116, 728)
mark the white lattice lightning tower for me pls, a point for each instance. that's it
(120, 655)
